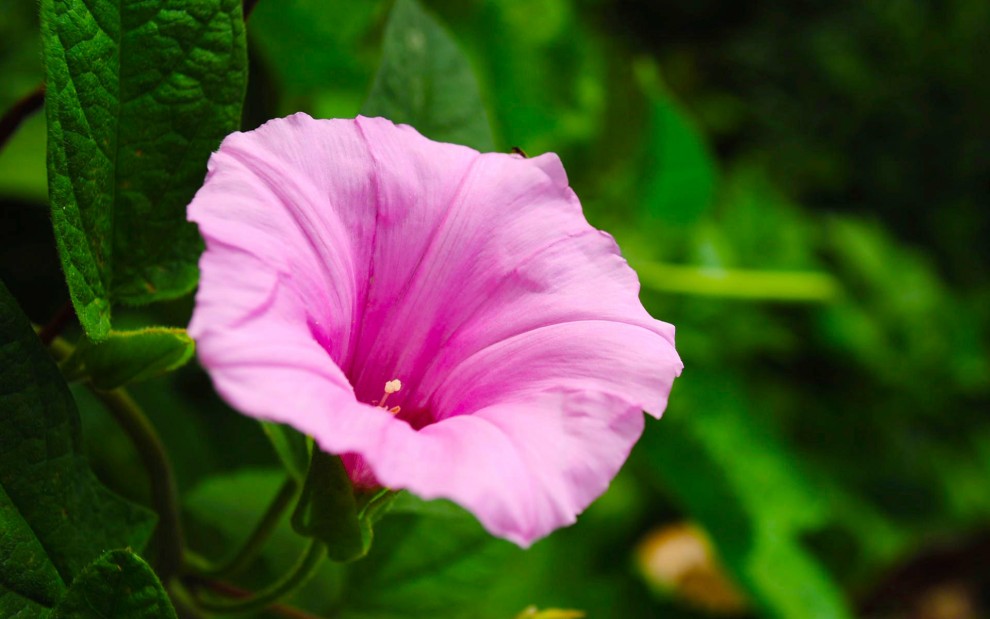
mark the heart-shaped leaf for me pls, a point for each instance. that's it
(426, 81)
(118, 585)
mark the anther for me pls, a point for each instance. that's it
(391, 387)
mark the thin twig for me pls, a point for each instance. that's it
(28, 105)
(242, 558)
(54, 326)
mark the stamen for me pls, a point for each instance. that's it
(391, 387)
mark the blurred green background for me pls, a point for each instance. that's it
(802, 187)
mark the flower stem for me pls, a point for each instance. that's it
(300, 574)
(168, 533)
(262, 531)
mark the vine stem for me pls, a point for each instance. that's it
(281, 610)
(164, 497)
(255, 541)
(54, 326)
(168, 533)
(26, 106)
(301, 573)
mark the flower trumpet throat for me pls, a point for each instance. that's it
(338, 250)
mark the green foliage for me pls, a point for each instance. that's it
(328, 510)
(680, 176)
(682, 183)
(22, 162)
(720, 466)
(287, 33)
(800, 188)
(129, 356)
(429, 560)
(426, 82)
(56, 516)
(291, 446)
(29, 581)
(118, 585)
(137, 98)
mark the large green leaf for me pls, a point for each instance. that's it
(745, 488)
(430, 559)
(56, 517)
(129, 356)
(138, 96)
(118, 585)
(426, 81)
(27, 584)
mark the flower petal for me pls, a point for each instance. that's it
(511, 252)
(524, 469)
(344, 254)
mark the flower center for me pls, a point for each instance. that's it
(391, 387)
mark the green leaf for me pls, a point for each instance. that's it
(291, 447)
(747, 491)
(426, 81)
(431, 559)
(139, 95)
(28, 582)
(56, 517)
(329, 511)
(118, 585)
(287, 32)
(129, 356)
(224, 509)
(680, 175)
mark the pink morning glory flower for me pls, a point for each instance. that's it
(446, 320)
